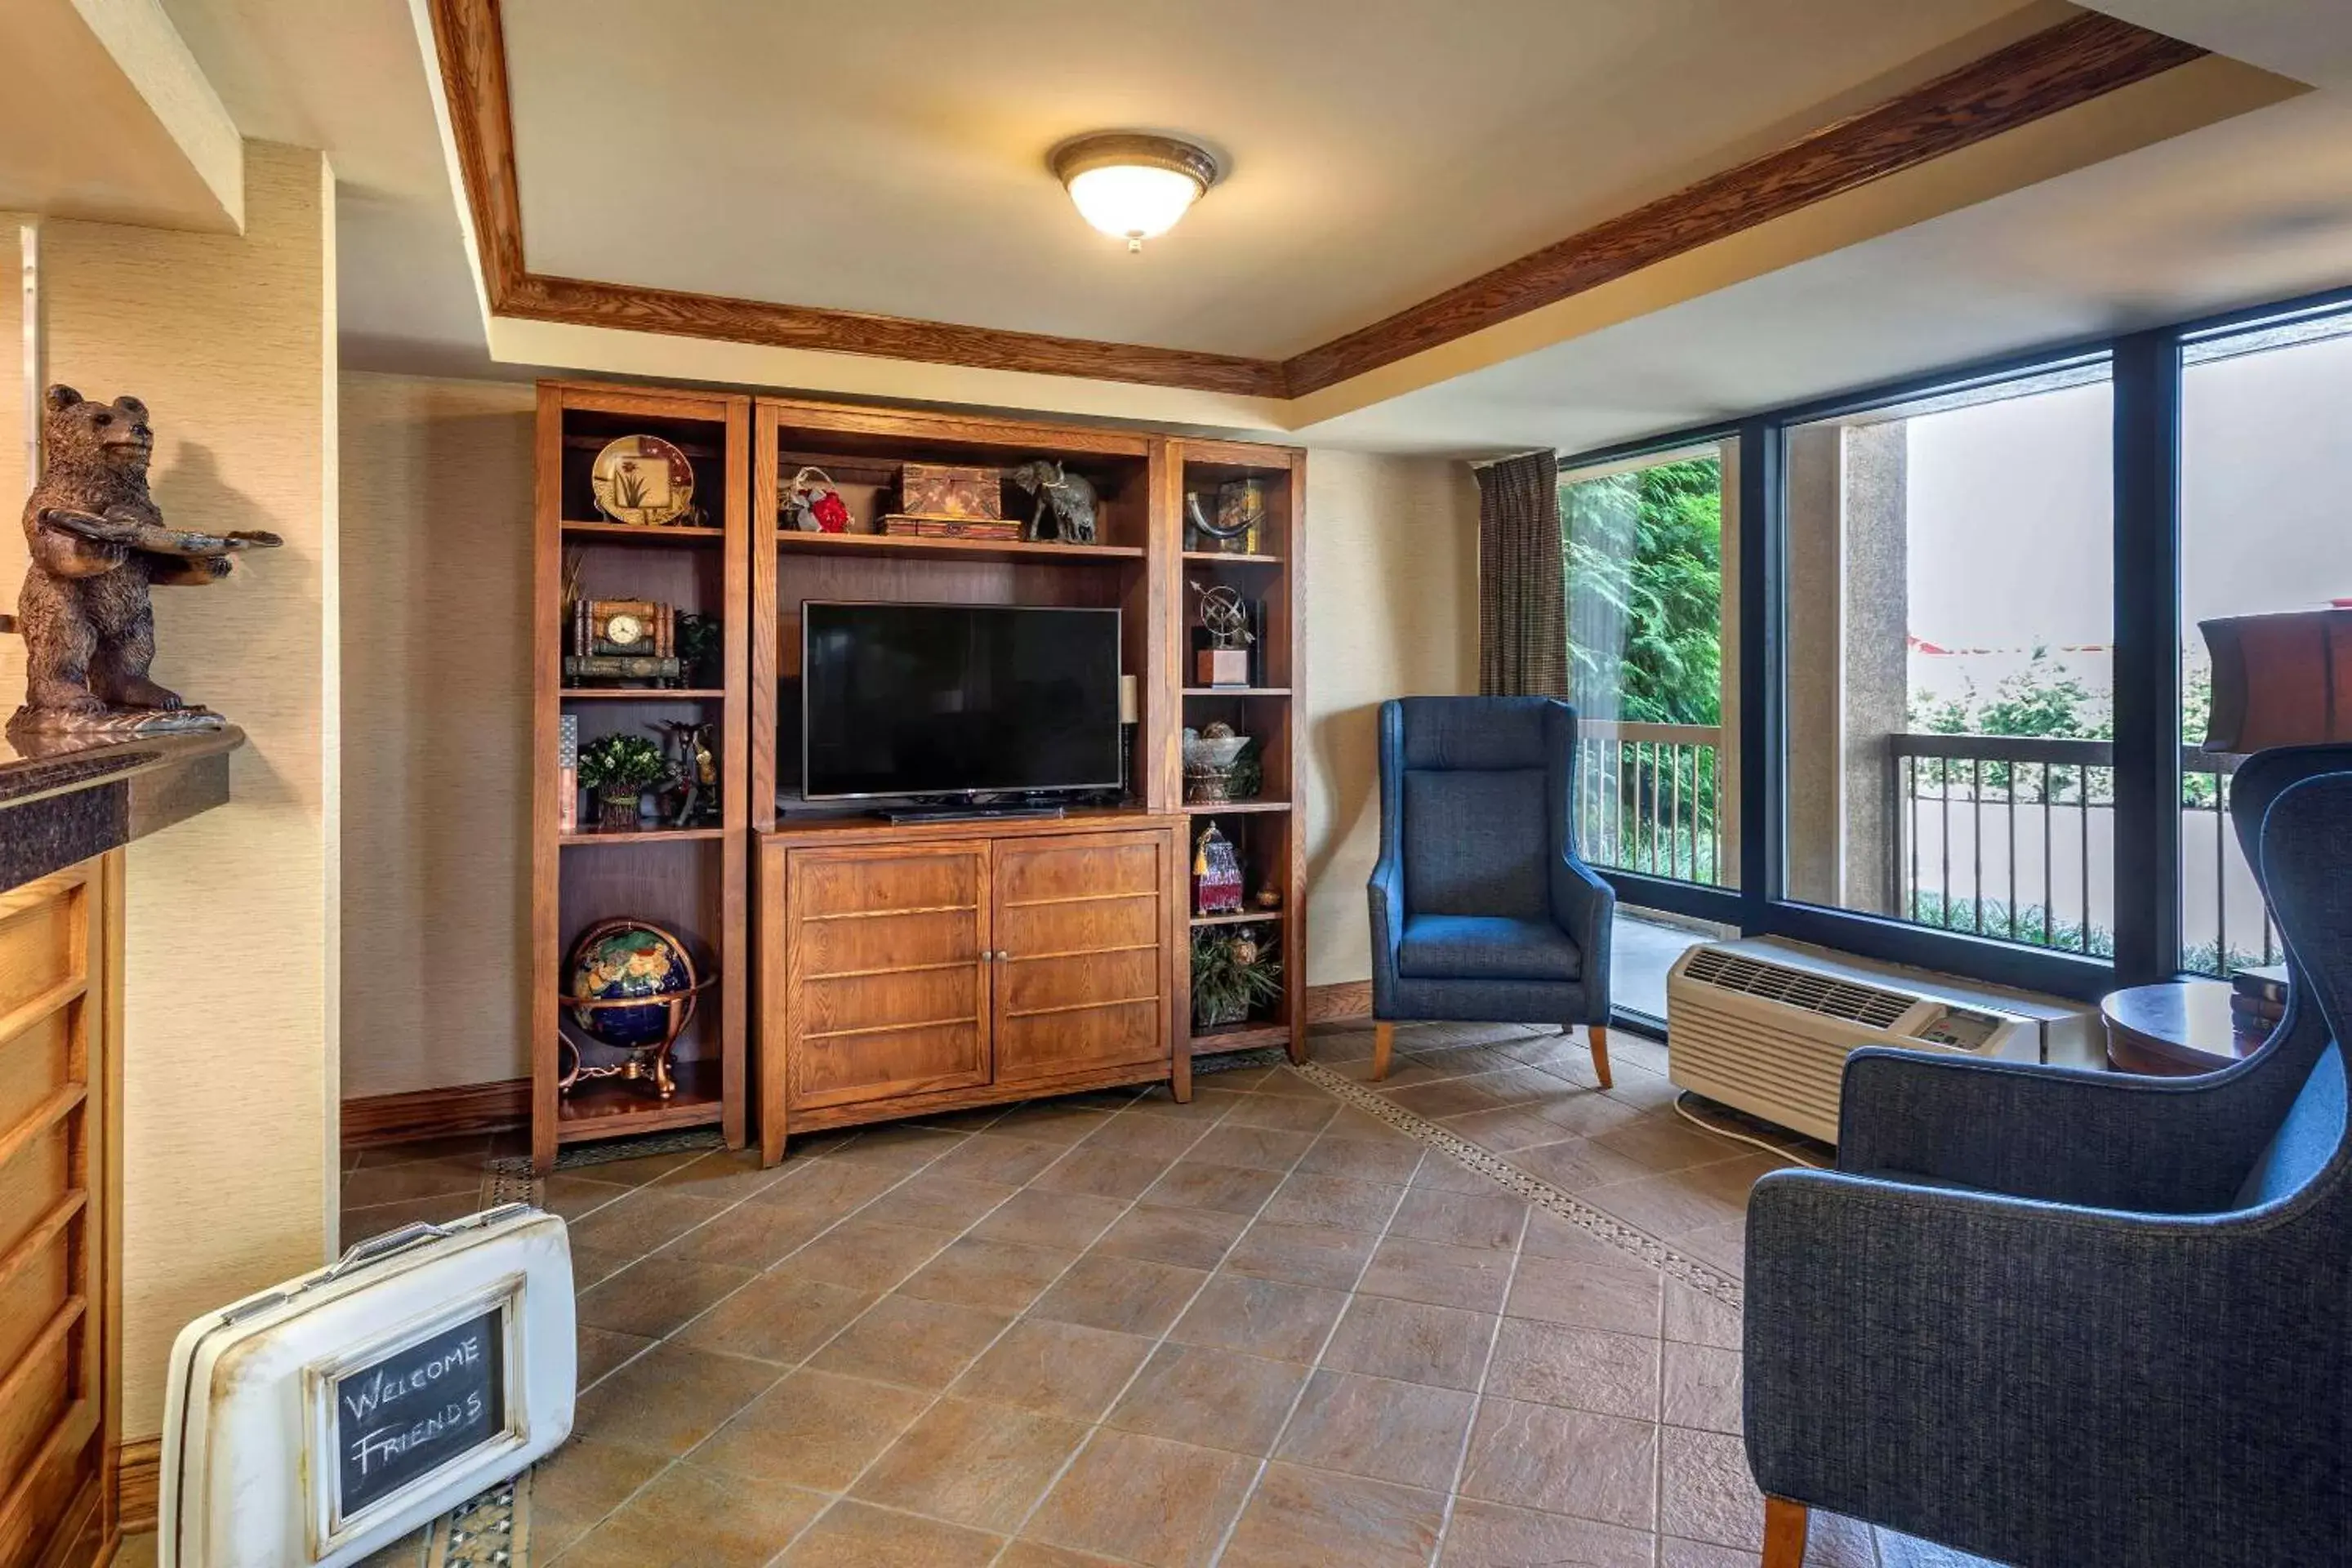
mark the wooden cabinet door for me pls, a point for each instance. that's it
(886, 987)
(1084, 938)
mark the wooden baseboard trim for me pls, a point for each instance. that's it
(138, 1484)
(1348, 999)
(437, 1112)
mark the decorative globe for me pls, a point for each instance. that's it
(624, 958)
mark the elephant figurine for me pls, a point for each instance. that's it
(1066, 502)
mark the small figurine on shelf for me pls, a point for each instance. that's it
(1216, 874)
(1218, 766)
(618, 769)
(1269, 898)
(1225, 618)
(1065, 501)
(691, 793)
(813, 504)
(1233, 974)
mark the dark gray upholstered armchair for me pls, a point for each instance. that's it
(2060, 1317)
(1481, 909)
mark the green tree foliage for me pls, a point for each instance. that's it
(1648, 546)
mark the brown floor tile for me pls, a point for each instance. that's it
(1144, 1500)
(1306, 1199)
(1549, 1236)
(1407, 1432)
(1694, 1318)
(1725, 1246)
(1283, 1114)
(1197, 1184)
(636, 1225)
(727, 1175)
(1582, 1369)
(1329, 1256)
(1193, 1238)
(1445, 1173)
(578, 1485)
(1214, 1398)
(669, 1399)
(1679, 1202)
(1706, 1492)
(1665, 1142)
(1261, 1317)
(636, 1170)
(1644, 1091)
(1563, 1461)
(1150, 1136)
(1209, 1104)
(1364, 1126)
(748, 1236)
(1127, 1295)
(1253, 1147)
(1300, 1517)
(1577, 1164)
(852, 1535)
(995, 1157)
(1485, 1091)
(1054, 1369)
(865, 1256)
(1460, 1219)
(899, 1146)
(993, 1276)
(812, 1430)
(655, 1296)
(1411, 1342)
(922, 1344)
(937, 1202)
(778, 1317)
(602, 1350)
(1489, 1535)
(588, 1267)
(358, 1225)
(1702, 1387)
(1035, 1218)
(1103, 1173)
(1474, 1278)
(1050, 1121)
(831, 1188)
(474, 1146)
(1360, 1160)
(371, 1185)
(1623, 1299)
(1284, 1083)
(692, 1517)
(1037, 1554)
(575, 1197)
(971, 1463)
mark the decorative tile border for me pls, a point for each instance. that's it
(1703, 1277)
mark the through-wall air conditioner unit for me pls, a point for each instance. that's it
(1765, 1027)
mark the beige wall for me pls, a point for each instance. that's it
(230, 1082)
(437, 703)
(1391, 611)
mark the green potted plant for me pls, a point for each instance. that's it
(1233, 975)
(617, 769)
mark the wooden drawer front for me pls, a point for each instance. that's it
(1082, 927)
(886, 993)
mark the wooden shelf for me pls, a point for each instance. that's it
(641, 835)
(1237, 692)
(640, 693)
(1240, 1037)
(1231, 558)
(631, 534)
(616, 1107)
(918, 548)
(691, 449)
(1245, 918)
(1218, 808)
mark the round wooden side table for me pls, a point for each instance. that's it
(2172, 1029)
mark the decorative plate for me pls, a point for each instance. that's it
(643, 480)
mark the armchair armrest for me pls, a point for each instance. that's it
(2029, 1382)
(1585, 907)
(2070, 1135)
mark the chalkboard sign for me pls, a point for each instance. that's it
(409, 1414)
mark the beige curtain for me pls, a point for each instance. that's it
(1522, 618)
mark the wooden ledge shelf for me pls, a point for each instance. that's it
(1218, 808)
(615, 1106)
(1231, 558)
(632, 533)
(642, 835)
(1246, 918)
(918, 548)
(640, 693)
(1237, 692)
(1240, 1037)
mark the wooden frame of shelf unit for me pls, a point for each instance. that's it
(713, 1089)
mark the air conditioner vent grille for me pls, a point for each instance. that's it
(1822, 994)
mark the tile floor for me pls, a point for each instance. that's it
(1262, 1328)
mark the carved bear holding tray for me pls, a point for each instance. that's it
(98, 543)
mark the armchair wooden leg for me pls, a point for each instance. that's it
(1600, 1052)
(1784, 1533)
(1383, 1048)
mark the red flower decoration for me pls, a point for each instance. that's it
(832, 516)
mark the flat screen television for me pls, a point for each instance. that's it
(955, 699)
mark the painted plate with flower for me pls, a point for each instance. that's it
(643, 480)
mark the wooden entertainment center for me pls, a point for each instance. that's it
(869, 971)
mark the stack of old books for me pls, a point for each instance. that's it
(2258, 998)
(937, 501)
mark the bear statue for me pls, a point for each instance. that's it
(97, 544)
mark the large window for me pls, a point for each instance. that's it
(1947, 642)
(2266, 465)
(1653, 661)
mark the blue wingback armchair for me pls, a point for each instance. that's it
(1481, 912)
(2062, 1317)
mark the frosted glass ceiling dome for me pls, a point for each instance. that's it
(1132, 187)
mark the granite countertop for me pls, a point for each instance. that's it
(65, 798)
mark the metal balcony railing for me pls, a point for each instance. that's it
(1656, 799)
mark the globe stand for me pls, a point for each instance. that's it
(648, 1063)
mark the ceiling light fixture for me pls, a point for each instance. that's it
(1132, 187)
